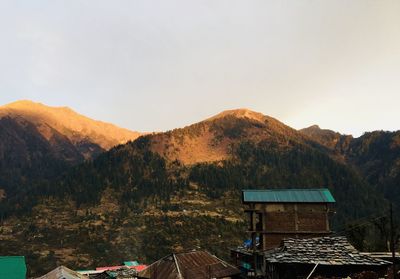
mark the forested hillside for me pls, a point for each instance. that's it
(374, 155)
(377, 157)
(38, 143)
(181, 190)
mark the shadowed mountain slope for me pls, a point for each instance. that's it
(374, 155)
(328, 138)
(377, 157)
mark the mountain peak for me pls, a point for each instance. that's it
(76, 127)
(316, 127)
(313, 128)
(212, 139)
(32, 105)
(240, 113)
(22, 104)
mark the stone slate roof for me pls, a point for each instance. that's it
(322, 250)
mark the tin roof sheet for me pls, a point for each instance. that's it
(13, 267)
(131, 263)
(288, 196)
(190, 265)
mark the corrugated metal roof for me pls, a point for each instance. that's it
(138, 267)
(13, 267)
(190, 265)
(131, 263)
(104, 268)
(288, 196)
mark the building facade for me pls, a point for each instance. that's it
(277, 214)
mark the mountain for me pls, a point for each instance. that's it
(328, 138)
(87, 135)
(174, 191)
(212, 140)
(39, 142)
(375, 155)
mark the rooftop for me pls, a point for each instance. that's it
(12, 267)
(288, 196)
(63, 272)
(322, 250)
(121, 273)
(190, 265)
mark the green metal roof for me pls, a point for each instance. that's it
(131, 263)
(13, 267)
(288, 196)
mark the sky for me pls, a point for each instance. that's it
(158, 65)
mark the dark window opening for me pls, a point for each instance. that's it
(259, 222)
(251, 221)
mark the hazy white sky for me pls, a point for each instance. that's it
(156, 65)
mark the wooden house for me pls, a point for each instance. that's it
(291, 238)
(278, 214)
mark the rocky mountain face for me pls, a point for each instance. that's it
(176, 190)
